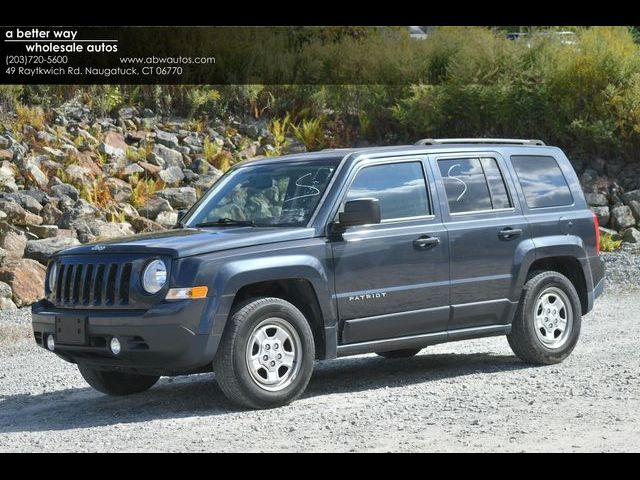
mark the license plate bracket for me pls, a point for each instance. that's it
(71, 330)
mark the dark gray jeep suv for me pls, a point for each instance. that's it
(339, 252)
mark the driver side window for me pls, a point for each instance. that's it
(400, 188)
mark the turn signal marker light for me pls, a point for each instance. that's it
(187, 293)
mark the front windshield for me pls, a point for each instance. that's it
(276, 195)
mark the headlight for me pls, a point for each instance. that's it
(53, 273)
(154, 276)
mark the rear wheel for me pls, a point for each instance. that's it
(404, 353)
(117, 383)
(266, 354)
(548, 320)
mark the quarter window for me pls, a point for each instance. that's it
(473, 184)
(542, 181)
(399, 187)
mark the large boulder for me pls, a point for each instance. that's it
(632, 195)
(634, 205)
(113, 145)
(12, 241)
(64, 190)
(206, 180)
(97, 230)
(631, 235)
(153, 207)
(5, 298)
(81, 212)
(167, 139)
(167, 219)
(28, 202)
(26, 279)
(622, 217)
(50, 214)
(80, 175)
(43, 231)
(603, 215)
(166, 157)
(150, 169)
(596, 199)
(143, 225)
(35, 174)
(7, 178)
(171, 175)
(179, 198)
(119, 189)
(18, 215)
(42, 250)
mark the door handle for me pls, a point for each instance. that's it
(425, 242)
(508, 233)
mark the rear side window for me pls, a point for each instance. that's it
(473, 184)
(542, 181)
(400, 188)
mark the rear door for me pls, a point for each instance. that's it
(486, 229)
(392, 279)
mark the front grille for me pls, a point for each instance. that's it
(92, 284)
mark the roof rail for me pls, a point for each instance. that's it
(512, 141)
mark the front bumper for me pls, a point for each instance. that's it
(162, 340)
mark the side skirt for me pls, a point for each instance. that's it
(424, 340)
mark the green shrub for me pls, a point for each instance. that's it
(608, 244)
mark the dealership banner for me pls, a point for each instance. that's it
(195, 55)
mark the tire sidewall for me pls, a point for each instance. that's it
(562, 283)
(298, 322)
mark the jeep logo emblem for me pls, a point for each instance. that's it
(98, 248)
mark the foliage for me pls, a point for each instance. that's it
(608, 244)
(279, 128)
(97, 193)
(32, 116)
(310, 132)
(201, 100)
(583, 96)
(143, 190)
(210, 149)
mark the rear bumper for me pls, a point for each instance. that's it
(596, 267)
(162, 340)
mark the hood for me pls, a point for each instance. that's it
(192, 241)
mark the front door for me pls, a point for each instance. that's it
(392, 279)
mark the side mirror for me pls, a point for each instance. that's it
(365, 211)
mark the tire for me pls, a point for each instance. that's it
(117, 383)
(530, 338)
(404, 353)
(257, 331)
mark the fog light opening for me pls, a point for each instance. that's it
(51, 343)
(115, 346)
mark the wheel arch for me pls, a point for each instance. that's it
(570, 267)
(299, 279)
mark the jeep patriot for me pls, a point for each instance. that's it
(307, 257)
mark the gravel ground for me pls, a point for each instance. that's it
(465, 396)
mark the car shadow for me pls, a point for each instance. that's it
(199, 395)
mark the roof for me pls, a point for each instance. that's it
(340, 153)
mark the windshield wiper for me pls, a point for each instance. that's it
(226, 221)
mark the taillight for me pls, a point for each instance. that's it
(597, 227)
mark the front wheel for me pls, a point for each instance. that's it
(266, 354)
(548, 319)
(117, 383)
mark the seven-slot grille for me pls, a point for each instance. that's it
(92, 284)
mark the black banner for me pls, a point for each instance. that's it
(207, 55)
